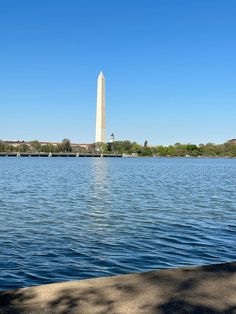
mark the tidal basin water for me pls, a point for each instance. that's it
(74, 218)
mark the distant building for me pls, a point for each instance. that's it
(112, 138)
(233, 141)
(14, 143)
(18, 143)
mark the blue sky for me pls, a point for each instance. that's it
(170, 69)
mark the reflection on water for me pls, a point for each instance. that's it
(100, 178)
(67, 219)
(100, 196)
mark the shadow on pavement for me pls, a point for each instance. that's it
(208, 289)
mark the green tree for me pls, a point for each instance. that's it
(136, 148)
(146, 151)
(91, 148)
(101, 147)
(121, 147)
(35, 146)
(65, 146)
(161, 150)
(23, 148)
(2, 147)
(48, 148)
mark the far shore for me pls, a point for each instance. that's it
(124, 148)
(71, 154)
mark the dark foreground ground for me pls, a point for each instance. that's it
(207, 289)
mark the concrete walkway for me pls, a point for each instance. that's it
(208, 289)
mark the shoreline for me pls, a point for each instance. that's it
(202, 289)
(76, 155)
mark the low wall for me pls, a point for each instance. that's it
(207, 289)
(57, 155)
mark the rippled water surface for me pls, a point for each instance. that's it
(74, 218)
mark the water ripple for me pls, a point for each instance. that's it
(69, 219)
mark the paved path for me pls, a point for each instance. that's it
(208, 289)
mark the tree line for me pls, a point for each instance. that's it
(36, 147)
(178, 150)
(227, 149)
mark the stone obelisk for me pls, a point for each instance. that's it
(101, 110)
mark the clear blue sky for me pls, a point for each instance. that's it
(170, 68)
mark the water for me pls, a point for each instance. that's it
(74, 218)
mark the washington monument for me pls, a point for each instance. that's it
(101, 110)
